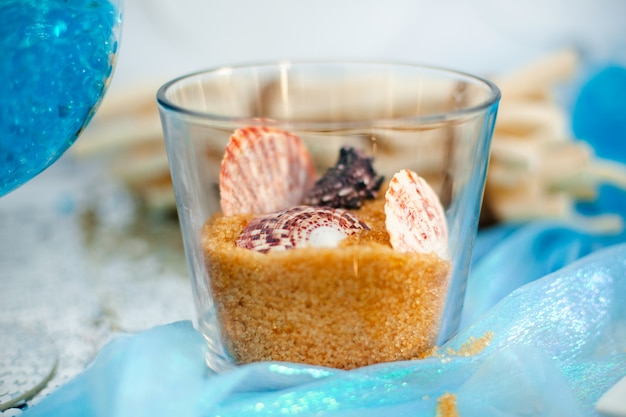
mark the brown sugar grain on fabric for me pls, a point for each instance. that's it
(473, 346)
(354, 305)
(446, 406)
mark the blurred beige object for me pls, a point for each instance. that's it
(314, 103)
(537, 79)
(127, 129)
(537, 169)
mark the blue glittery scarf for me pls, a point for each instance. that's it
(550, 347)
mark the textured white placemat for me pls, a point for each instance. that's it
(79, 263)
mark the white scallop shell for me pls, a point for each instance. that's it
(414, 216)
(264, 170)
(298, 227)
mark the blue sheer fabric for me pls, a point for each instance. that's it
(555, 345)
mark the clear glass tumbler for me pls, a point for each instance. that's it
(328, 210)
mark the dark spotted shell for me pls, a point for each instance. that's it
(298, 227)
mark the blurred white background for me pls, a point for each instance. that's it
(164, 38)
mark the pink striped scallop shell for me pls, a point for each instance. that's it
(264, 170)
(414, 216)
(299, 227)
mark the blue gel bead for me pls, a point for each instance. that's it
(58, 57)
(599, 115)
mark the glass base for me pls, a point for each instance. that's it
(216, 357)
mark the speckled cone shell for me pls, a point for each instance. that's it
(298, 227)
(414, 216)
(264, 170)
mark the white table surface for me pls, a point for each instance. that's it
(80, 262)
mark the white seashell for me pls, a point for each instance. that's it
(414, 216)
(299, 227)
(264, 170)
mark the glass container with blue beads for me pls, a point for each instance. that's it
(58, 58)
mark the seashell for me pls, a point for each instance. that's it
(414, 216)
(348, 183)
(264, 170)
(299, 227)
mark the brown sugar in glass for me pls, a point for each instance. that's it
(345, 307)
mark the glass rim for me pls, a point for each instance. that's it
(492, 98)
